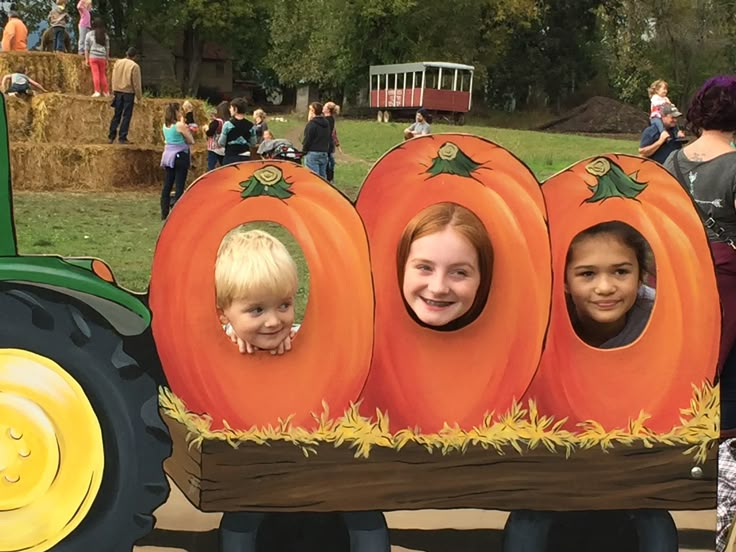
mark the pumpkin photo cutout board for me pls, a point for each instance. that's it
(330, 357)
(424, 378)
(661, 384)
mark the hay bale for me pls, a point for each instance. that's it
(99, 168)
(61, 117)
(20, 114)
(57, 72)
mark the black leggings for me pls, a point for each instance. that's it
(174, 175)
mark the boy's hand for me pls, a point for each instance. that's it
(285, 345)
(245, 347)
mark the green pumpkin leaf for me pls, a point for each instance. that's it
(612, 181)
(267, 181)
(451, 160)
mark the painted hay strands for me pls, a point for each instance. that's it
(371, 468)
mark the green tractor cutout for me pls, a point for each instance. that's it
(82, 443)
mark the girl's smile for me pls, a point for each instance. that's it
(602, 279)
(441, 277)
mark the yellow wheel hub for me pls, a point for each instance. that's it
(51, 452)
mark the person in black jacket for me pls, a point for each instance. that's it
(316, 142)
(235, 135)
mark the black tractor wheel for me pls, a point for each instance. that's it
(83, 419)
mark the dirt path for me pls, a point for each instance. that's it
(181, 527)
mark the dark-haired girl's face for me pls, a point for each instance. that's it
(602, 278)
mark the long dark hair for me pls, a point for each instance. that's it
(223, 110)
(171, 113)
(100, 35)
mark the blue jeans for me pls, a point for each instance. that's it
(316, 161)
(123, 102)
(59, 39)
(213, 159)
(657, 121)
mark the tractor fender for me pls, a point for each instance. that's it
(125, 322)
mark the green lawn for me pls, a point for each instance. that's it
(122, 228)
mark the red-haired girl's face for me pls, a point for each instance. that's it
(441, 277)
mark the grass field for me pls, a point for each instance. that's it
(122, 228)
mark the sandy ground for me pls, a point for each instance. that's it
(182, 528)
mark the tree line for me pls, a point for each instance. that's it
(527, 53)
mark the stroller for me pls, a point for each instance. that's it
(280, 149)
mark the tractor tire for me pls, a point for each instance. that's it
(387, 116)
(42, 329)
(379, 116)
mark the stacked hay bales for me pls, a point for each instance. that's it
(58, 140)
(102, 168)
(57, 72)
(57, 116)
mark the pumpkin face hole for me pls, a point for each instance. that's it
(261, 284)
(444, 263)
(609, 284)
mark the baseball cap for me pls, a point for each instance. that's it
(669, 109)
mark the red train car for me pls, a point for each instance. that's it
(442, 88)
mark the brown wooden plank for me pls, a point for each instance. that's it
(280, 478)
(184, 465)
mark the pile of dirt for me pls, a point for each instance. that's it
(600, 115)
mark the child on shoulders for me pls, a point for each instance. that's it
(658, 98)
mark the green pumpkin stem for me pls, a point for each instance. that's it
(451, 160)
(615, 183)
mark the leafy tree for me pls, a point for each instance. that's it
(681, 41)
(192, 23)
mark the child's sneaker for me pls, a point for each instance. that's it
(96, 95)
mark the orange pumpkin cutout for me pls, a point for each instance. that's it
(678, 348)
(426, 378)
(331, 353)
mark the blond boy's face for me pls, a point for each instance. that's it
(264, 321)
